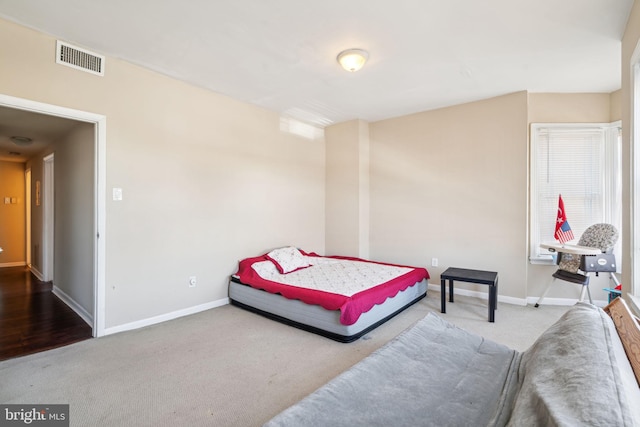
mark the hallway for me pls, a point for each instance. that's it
(32, 318)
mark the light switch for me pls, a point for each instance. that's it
(117, 194)
(7, 200)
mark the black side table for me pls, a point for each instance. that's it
(472, 276)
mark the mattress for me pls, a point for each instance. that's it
(314, 318)
(339, 297)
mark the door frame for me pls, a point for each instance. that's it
(27, 205)
(100, 144)
(48, 217)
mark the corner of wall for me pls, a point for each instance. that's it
(347, 188)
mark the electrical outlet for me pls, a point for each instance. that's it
(434, 262)
(192, 281)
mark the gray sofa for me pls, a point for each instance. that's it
(435, 374)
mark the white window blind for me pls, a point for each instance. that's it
(581, 163)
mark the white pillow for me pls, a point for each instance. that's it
(287, 259)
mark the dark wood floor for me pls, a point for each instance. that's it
(32, 318)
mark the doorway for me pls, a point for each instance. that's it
(99, 186)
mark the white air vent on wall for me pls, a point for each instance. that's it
(80, 59)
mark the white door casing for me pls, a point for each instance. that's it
(100, 143)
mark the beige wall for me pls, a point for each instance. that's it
(451, 184)
(206, 180)
(74, 170)
(571, 108)
(12, 215)
(615, 104)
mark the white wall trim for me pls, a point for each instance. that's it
(481, 295)
(48, 216)
(516, 301)
(100, 248)
(634, 302)
(73, 305)
(564, 301)
(634, 148)
(164, 317)
(27, 205)
(100, 143)
(13, 264)
(37, 273)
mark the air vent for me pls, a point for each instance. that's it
(80, 59)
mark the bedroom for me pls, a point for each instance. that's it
(197, 172)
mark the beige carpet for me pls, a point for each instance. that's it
(224, 367)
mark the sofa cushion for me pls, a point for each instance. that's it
(432, 374)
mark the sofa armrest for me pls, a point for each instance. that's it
(628, 330)
(577, 374)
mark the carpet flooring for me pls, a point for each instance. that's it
(225, 366)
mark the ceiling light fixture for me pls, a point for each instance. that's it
(21, 140)
(353, 59)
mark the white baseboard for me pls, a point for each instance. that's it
(73, 304)
(634, 302)
(564, 301)
(13, 264)
(517, 301)
(37, 273)
(164, 317)
(218, 303)
(482, 295)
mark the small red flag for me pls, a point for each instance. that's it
(563, 230)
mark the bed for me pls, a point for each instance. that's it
(338, 297)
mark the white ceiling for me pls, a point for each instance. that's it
(280, 54)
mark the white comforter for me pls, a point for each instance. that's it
(343, 277)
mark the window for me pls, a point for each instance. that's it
(635, 184)
(582, 163)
